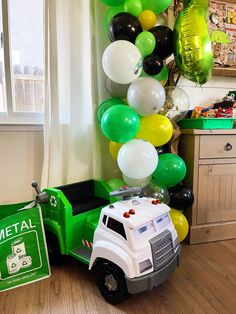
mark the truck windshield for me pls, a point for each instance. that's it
(151, 227)
(162, 221)
(144, 231)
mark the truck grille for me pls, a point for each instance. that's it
(162, 249)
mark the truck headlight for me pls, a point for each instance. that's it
(145, 265)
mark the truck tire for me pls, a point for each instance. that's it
(54, 253)
(111, 282)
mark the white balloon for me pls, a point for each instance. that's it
(137, 182)
(122, 62)
(137, 159)
(146, 95)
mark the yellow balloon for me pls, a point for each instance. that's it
(147, 19)
(114, 148)
(180, 222)
(156, 129)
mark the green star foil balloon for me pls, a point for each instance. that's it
(192, 43)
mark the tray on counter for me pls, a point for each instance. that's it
(207, 123)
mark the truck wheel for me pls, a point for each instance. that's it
(111, 282)
(54, 253)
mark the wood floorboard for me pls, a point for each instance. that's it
(204, 283)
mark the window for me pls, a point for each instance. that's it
(22, 61)
(104, 219)
(144, 231)
(117, 227)
(162, 221)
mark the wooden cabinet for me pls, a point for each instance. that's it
(210, 157)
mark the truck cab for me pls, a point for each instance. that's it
(138, 237)
(131, 244)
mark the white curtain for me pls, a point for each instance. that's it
(72, 148)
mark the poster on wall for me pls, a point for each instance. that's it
(222, 27)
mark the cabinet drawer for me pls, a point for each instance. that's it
(217, 146)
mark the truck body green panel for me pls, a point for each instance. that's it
(52, 227)
(69, 227)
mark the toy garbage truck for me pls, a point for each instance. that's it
(131, 244)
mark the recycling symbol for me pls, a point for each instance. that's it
(18, 250)
(24, 263)
(53, 201)
(13, 265)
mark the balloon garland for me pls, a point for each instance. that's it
(137, 118)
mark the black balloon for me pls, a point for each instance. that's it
(164, 41)
(162, 149)
(124, 26)
(152, 64)
(181, 197)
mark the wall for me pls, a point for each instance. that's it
(214, 90)
(21, 156)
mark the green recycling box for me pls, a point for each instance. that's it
(23, 250)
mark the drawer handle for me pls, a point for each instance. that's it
(228, 147)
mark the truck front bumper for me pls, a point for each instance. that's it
(154, 279)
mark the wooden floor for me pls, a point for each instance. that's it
(204, 283)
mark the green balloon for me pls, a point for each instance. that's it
(171, 170)
(158, 6)
(163, 75)
(133, 7)
(113, 3)
(145, 42)
(192, 43)
(106, 104)
(116, 183)
(109, 15)
(120, 123)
